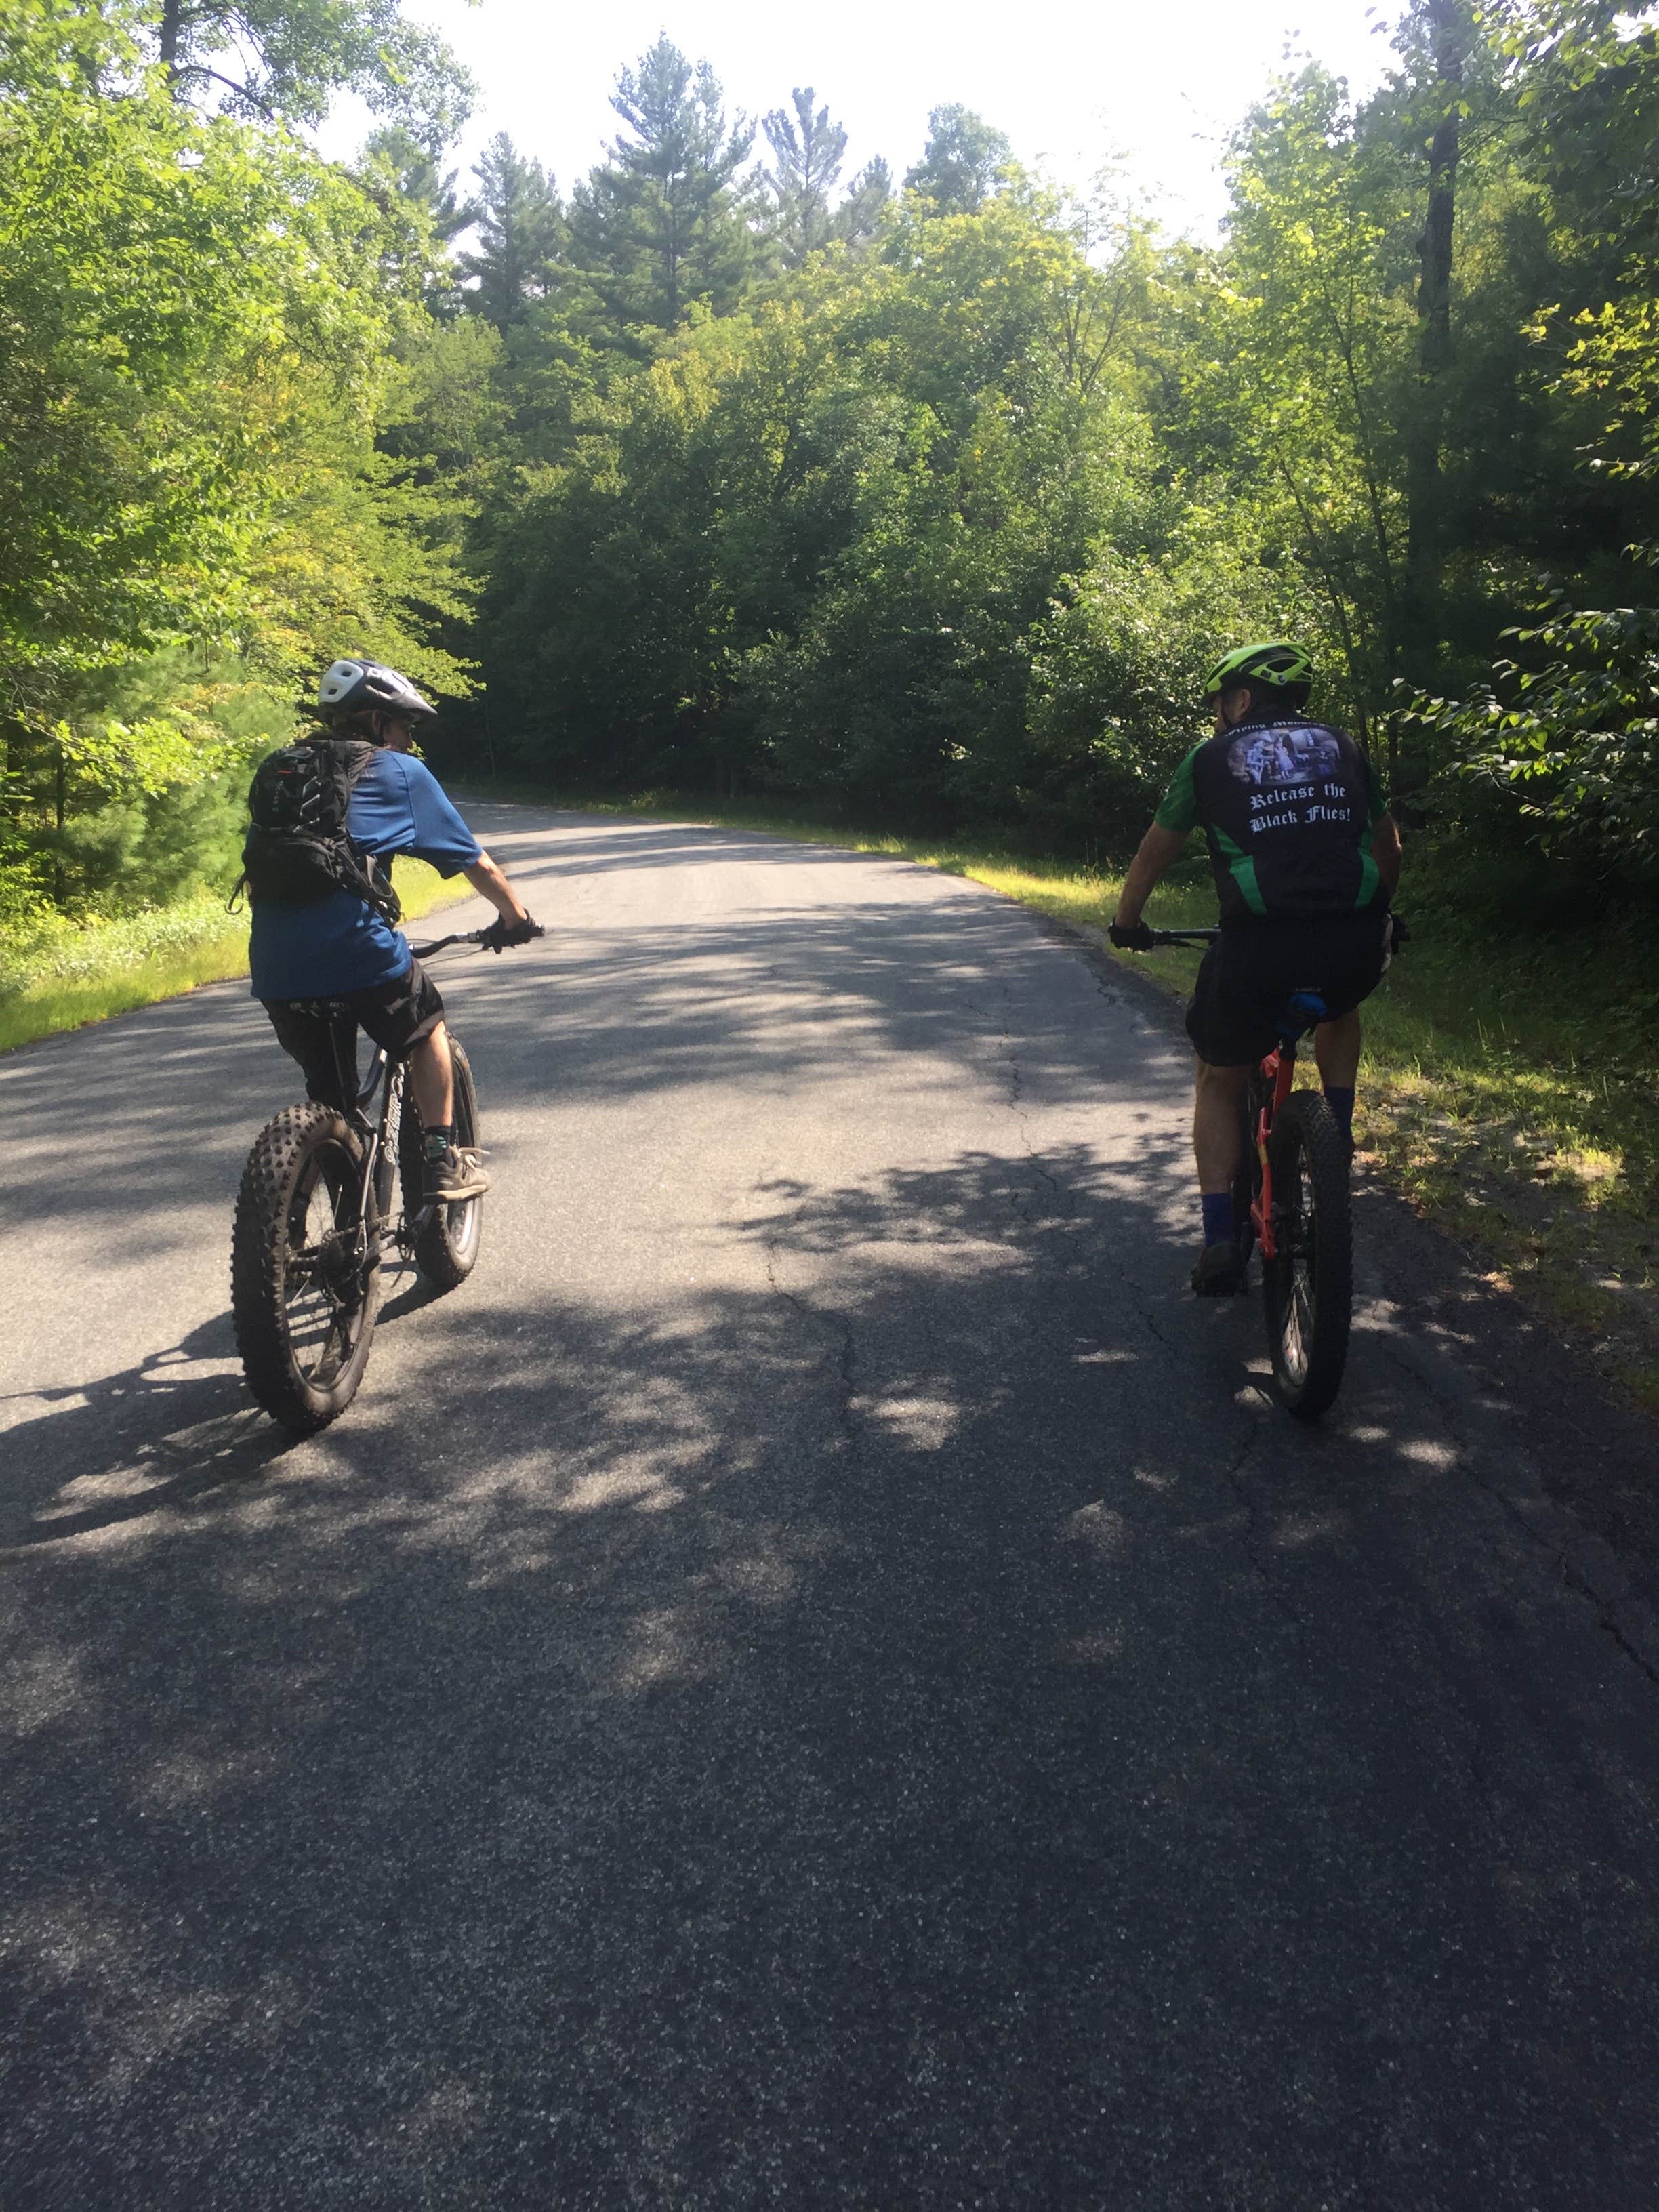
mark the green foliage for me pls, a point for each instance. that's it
(207, 483)
(660, 227)
(1116, 704)
(806, 152)
(962, 163)
(521, 235)
(285, 58)
(932, 505)
(816, 546)
(1570, 733)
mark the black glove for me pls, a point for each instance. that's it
(1399, 934)
(1135, 937)
(500, 933)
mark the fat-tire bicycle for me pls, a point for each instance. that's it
(325, 1194)
(1291, 1199)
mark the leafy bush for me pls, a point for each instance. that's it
(1566, 734)
(1116, 671)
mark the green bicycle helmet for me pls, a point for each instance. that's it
(1278, 663)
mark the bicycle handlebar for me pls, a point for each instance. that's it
(1401, 935)
(460, 937)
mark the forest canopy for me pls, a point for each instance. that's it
(723, 470)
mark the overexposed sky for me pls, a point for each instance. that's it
(1074, 87)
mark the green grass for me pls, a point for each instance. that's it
(1508, 1081)
(64, 975)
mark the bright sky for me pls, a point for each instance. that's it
(1073, 86)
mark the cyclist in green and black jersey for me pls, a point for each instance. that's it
(1306, 857)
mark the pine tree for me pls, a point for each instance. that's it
(520, 234)
(858, 219)
(662, 223)
(961, 162)
(394, 155)
(807, 149)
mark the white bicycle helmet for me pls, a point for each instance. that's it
(351, 686)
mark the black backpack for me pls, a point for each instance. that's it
(297, 849)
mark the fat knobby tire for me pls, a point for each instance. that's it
(1305, 1130)
(282, 1158)
(447, 1250)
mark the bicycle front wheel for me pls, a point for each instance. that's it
(304, 1289)
(446, 1246)
(1308, 1285)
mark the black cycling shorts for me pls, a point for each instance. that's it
(396, 1015)
(1252, 967)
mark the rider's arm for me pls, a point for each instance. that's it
(485, 877)
(1387, 852)
(1385, 831)
(1159, 847)
(1172, 824)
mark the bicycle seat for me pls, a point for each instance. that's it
(1303, 1009)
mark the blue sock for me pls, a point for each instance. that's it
(1340, 1102)
(1218, 1217)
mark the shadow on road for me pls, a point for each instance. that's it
(768, 1001)
(938, 1739)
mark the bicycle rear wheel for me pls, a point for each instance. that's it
(447, 1247)
(303, 1295)
(1308, 1285)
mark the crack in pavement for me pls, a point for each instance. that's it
(1009, 1052)
(842, 1333)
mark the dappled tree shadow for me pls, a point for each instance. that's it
(919, 1730)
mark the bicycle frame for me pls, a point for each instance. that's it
(374, 1191)
(1275, 1072)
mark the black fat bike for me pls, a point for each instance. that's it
(326, 1196)
(1291, 1200)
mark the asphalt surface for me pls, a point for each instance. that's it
(819, 1677)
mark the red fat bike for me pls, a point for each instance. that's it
(1291, 1198)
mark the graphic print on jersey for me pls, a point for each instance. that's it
(1290, 753)
(1294, 775)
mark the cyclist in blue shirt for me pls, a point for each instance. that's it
(340, 947)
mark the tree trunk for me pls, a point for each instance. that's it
(1449, 27)
(172, 23)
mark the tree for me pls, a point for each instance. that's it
(520, 234)
(421, 213)
(1298, 359)
(1435, 38)
(189, 477)
(392, 157)
(807, 150)
(859, 218)
(963, 162)
(287, 58)
(662, 224)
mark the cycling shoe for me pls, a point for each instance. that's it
(1220, 1273)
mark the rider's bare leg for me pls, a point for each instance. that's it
(1216, 1126)
(1336, 1048)
(432, 1079)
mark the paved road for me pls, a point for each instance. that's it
(817, 1679)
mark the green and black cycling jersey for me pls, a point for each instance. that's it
(1289, 807)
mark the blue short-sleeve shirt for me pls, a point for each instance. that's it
(339, 943)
